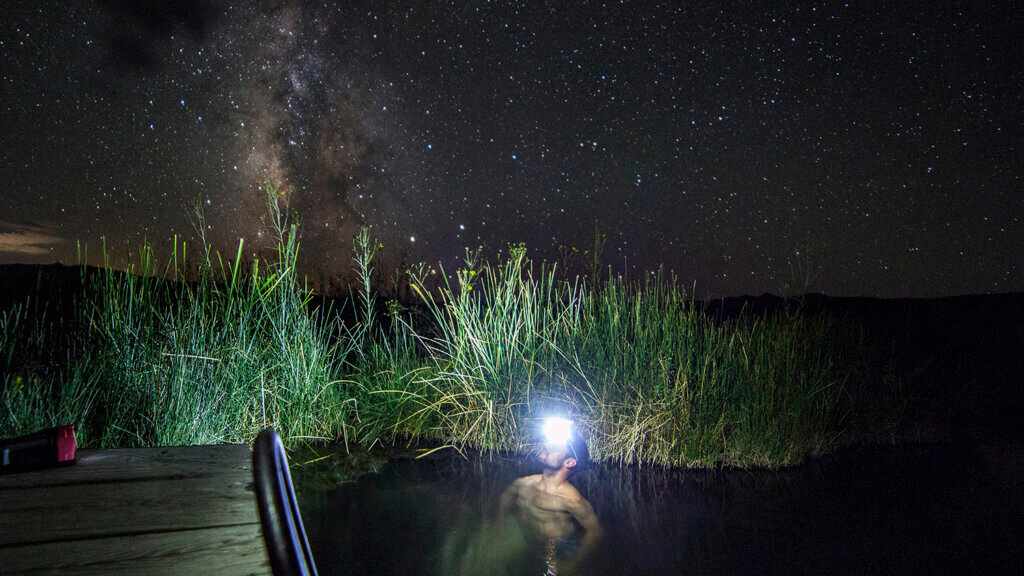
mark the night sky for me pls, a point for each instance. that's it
(842, 148)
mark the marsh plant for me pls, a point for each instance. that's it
(149, 358)
(216, 350)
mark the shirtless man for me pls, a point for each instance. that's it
(550, 507)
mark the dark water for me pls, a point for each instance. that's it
(923, 509)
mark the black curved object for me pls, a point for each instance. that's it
(279, 512)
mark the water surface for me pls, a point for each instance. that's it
(921, 509)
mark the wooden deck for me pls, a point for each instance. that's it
(181, 510)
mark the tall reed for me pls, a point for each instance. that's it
(156, 360)
(647, 374)
(215, 350)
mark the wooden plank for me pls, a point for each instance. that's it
(174, 510)
(122, 464)
(93, 510)
(212, 551)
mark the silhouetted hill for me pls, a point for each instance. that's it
(964, 355)
(55, 284)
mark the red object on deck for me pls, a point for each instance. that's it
(66, 444)
(51, 447)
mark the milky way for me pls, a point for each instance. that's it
(782, 147)
(307, 127)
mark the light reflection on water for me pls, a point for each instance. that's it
(924, 509)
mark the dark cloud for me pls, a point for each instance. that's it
(139, 31)
(27, 239)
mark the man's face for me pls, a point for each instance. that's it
(554, 455)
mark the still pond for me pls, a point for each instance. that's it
(917, 509)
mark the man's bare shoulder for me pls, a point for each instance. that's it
(527, 480)
(569, 492)
(580, 508)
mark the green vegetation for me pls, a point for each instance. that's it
(148, 358)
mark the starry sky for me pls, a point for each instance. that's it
(854, 149)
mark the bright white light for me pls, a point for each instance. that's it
(557, 430)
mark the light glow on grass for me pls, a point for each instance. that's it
(215, 350)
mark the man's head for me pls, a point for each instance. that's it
(579, 451)
(572, 455)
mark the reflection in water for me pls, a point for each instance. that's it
(935, 509)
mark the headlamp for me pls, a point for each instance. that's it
(557, 430)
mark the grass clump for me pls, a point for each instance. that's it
(148, 358)
(647, 373)
(216, 351)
